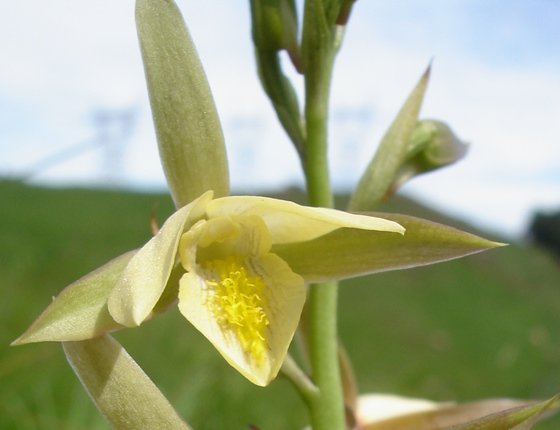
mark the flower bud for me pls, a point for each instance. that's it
(274, 26)
(432, 145)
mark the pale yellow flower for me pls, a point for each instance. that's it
(237, 266)
(245, 299)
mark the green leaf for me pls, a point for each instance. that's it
(119, 387)
(191, 143)
(346, 252)
(497, 414)
(391, 153)
(80, 310)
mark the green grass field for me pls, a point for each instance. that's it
(483, 326)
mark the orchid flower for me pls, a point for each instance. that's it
(235, 290)
(238, 267)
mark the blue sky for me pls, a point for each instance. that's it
(495, 80)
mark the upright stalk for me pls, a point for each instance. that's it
(315, 159)
(327, 405)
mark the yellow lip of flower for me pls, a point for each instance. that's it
(238, 302)
(244, 299)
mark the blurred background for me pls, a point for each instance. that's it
(74, 109)
(78, 157)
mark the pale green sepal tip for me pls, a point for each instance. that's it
(391, 153)
(120, 389)
(80, 310)
(189, 134)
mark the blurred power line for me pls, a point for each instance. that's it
(113, 130)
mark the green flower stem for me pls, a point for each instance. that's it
(326, 405)
(316, 157)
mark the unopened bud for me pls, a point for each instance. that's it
(432, 145)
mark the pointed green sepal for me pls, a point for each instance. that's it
(191, 143)
(347, 252)
(391, 153)
(120, 389)
(80, 311)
